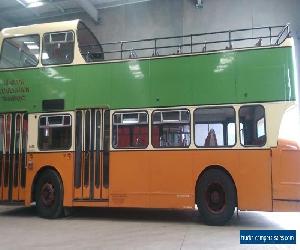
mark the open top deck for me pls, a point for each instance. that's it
(71, 42)
(64, 63)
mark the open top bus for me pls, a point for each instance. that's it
(174, 122)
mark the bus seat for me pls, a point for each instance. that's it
(259, 43)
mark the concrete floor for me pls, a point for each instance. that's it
(94, 228)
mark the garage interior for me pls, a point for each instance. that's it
(125, 20)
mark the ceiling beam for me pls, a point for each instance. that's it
(21, 5)
(50, 16)
(104, 4)
(89, 9)
(64, 12)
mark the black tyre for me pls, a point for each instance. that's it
(49, 195)
(216, 197)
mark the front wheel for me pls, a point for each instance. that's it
(49, 195)
(216, 197)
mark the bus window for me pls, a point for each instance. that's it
(130, 130)
(20, 52)
(89, 47)
(55, 132)
(1, 149)
(1, 135)
(231, 133)
(171, 129)
(252, 125)
(58, 48)
(17, 134)
(215, 127)
(261, 127)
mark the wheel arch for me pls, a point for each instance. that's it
(219, 167)
(38, 174)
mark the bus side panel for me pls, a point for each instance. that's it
(286, 206)
(63, 164)
(155, 179)
(253, 180)
(286, 175)
(167, 178)
(171, 179)
(129, 179)
(1, 174)
(250, 170)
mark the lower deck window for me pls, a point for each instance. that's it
(171, 129)
(55, 132)
(1, 135)
(252, 125)
(215, 127)
(130, 130)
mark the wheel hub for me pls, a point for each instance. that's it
(48, 194)
(215, 197)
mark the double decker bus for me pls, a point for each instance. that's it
(179, 122)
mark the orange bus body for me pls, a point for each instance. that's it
(265, 180)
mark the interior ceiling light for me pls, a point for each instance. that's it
(31, 3)
(35, 4)
(32, 47)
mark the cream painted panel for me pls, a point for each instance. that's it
(33, 120)
(273, 111)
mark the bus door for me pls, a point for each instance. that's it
(91, 154)
(13, 141)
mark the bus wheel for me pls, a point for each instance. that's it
(216, 197)
(49, 195)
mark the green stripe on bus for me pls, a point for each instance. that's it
(254, 75)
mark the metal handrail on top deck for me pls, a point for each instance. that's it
(284, 32)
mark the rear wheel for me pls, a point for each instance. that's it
(216, 197)
(49, 195)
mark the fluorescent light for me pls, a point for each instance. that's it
(31, 3)
(29, 42)
(130, 120)
(35, 4)
(34, 46)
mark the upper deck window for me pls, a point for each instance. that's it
(20, 52)
(89, 47)
(58, 48)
